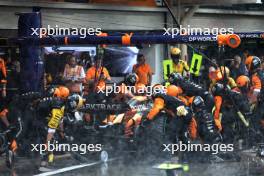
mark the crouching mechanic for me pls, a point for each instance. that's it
(55, 106)
(203, 122)
(222, 76)
(256, 96)
(180, 114)
(72, 116)
(229, 105)
(5, 124)
(125, 94)
(243, 85)
(191, 89)
(206, 127)
(131, 92)
(256, 75)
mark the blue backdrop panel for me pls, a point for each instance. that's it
(32, 69)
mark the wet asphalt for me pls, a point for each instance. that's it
(248, 165)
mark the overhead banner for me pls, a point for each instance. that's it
(167, 68)
(196, 64)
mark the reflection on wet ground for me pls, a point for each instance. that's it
(249, 165)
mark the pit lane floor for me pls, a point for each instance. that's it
(249, 165)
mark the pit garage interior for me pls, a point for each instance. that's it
(147, 21)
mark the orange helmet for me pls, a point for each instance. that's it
(173, 90)
(242, 81)
(63, 92)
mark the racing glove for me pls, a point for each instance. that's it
(181, 111)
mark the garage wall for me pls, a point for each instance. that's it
(8, 18)
(133, 20)
(107, 20)
(240, 23)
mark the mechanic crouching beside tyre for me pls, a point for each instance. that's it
(175, 108)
